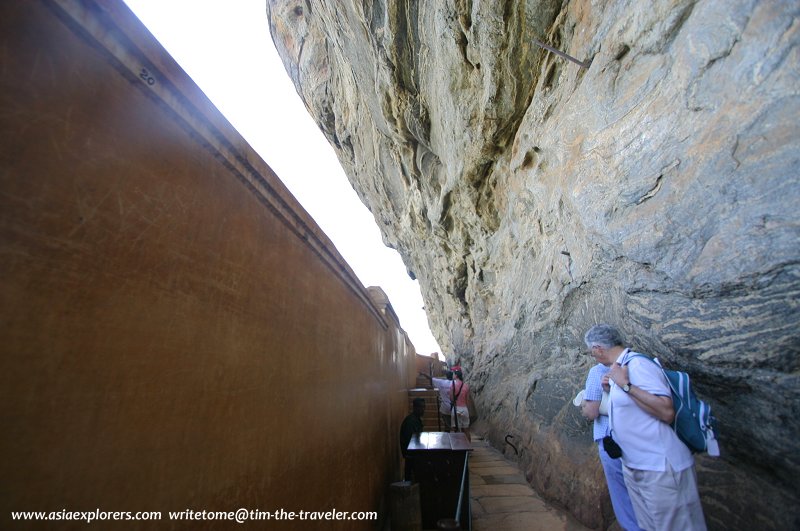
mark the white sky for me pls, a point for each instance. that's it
(225, 46)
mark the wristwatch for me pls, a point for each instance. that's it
(627, 387)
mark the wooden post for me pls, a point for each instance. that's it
(404, 507)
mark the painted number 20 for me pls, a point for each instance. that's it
(145, 75)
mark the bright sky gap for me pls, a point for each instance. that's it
(227, 50)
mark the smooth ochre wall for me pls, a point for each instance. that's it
(176, 331)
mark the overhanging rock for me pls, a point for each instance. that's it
(656, 190)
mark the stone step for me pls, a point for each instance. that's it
(428, 394)
(501, 498)
(430, 419)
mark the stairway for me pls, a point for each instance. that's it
(430, 420)
(501, 497)
(423, 382)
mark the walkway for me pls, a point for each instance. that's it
(502, 499)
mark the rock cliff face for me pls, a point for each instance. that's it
(656, 189)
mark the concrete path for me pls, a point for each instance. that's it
(502, 499)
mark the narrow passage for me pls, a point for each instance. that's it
(502, 499)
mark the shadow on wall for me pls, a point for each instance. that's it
(177, 331)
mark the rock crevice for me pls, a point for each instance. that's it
(655, 189)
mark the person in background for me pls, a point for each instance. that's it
(612, 468)
(459, 397)
(443, 385)
(412, 425)
(658, 468)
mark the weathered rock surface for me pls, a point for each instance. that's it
(657, 190)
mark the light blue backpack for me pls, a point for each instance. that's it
(694, 424)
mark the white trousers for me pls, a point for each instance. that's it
(463, 417)
(665, 501)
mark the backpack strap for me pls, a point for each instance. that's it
(652, 360)
(454, 394)
(633, 354)
(453, 401)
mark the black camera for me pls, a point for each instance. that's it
(611, 447)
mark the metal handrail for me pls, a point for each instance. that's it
(461, 491)
(438, 409)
